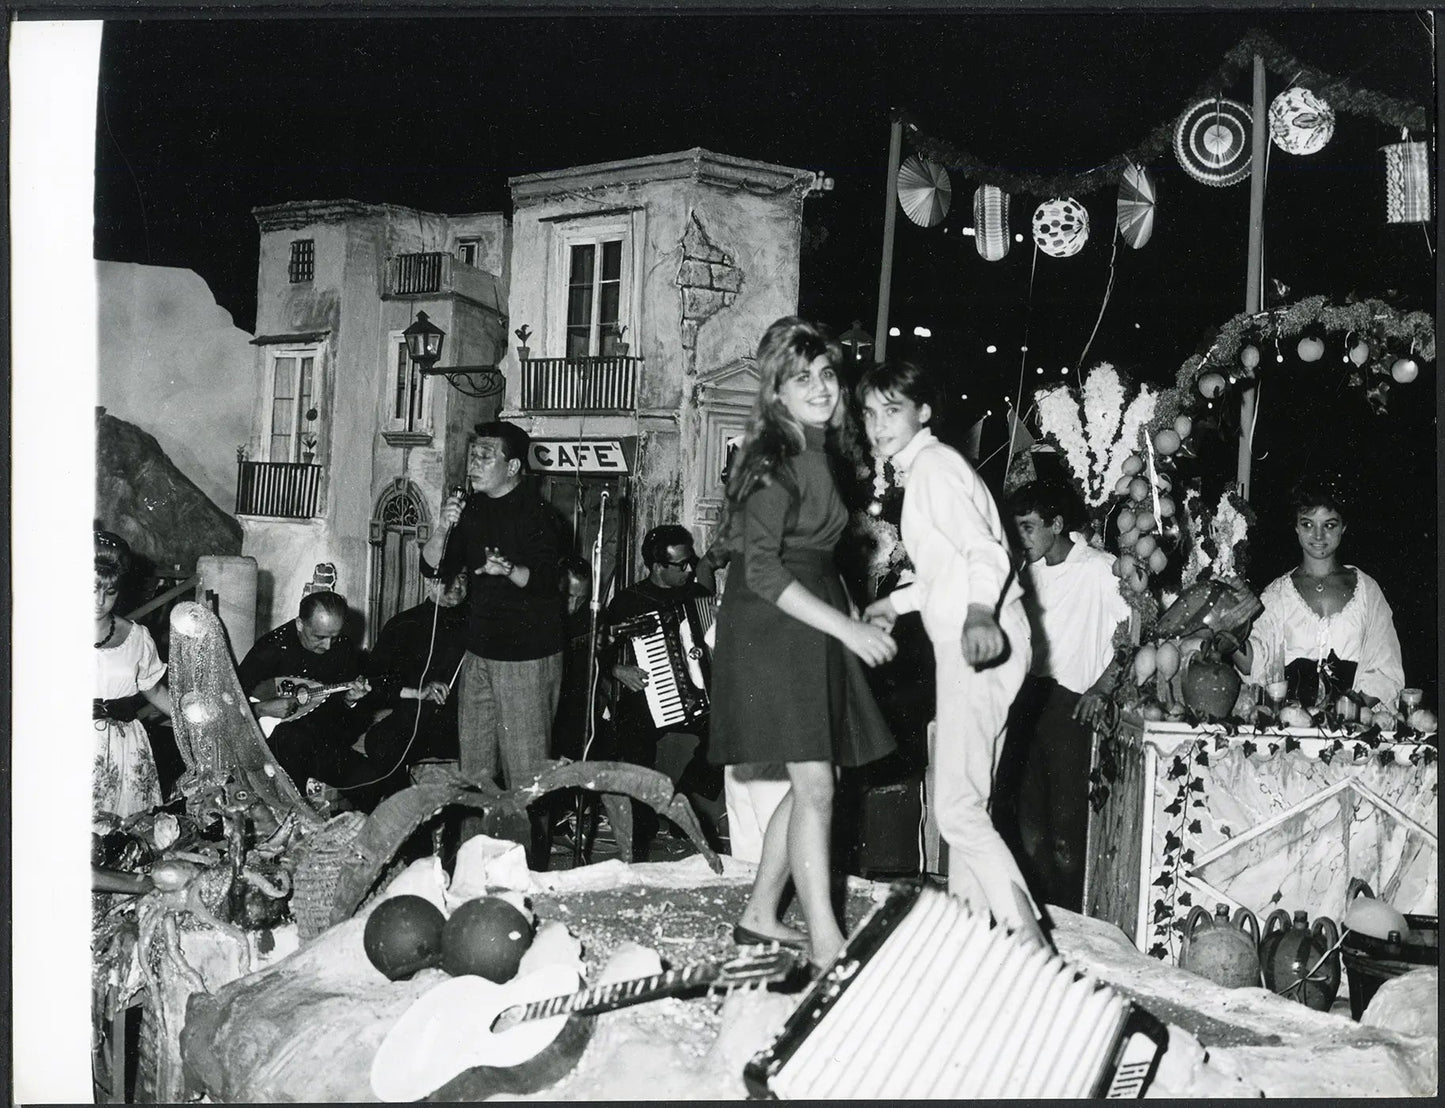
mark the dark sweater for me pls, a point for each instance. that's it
(504, 622)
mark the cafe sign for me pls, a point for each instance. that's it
(604, 457)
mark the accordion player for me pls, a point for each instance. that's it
(668, 644)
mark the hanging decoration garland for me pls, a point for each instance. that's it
(1211, 141)
(1300, 122)
(990, 222)
(1377, 339)
(1341, 94)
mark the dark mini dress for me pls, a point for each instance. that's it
(782, 691)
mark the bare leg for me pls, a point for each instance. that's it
(761, 912)
(809, 831)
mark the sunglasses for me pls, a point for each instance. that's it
(686, 563)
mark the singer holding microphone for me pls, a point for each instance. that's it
(507, 540)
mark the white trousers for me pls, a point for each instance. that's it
(967, 742)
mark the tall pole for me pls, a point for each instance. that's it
(1254, 279)
(890, 214)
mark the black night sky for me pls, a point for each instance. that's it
(200, 120)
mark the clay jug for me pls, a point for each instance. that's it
(1219, 950)
(1210, 688)
(1301, 962)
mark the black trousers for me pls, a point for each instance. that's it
(305, 751)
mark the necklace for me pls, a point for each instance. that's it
(1319, 581)
(110, 634)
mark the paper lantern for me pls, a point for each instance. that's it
(1061, 227)
(924, 191)
(1407, 183)
(1135, 217)
(1211, 141)
(1405, 370)
(990, 222)
(1300, 122)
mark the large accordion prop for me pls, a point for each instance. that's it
(928, 1000)
(990, 222)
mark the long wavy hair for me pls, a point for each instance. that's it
(772, 434)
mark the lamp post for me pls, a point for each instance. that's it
(424, 341)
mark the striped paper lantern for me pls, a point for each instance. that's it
(990, 222)
(1407, 183)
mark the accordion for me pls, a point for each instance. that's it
(928, 1000)
(669, 645)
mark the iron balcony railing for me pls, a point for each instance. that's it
(288, 490)
(580, 384)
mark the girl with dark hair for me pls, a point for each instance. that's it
(787, 686)
(125, 782)
(1326, 628)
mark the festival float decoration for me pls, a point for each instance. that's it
(990, 222)
(1061, 227)
(924, 191)
(1300, 122)
(1211, 141)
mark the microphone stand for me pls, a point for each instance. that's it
(589, 722)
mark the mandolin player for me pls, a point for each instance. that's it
(304, 680)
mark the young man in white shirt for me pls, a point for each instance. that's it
(1076, 609)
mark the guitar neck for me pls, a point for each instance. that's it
(620, 994)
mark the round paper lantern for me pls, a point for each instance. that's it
(1211, 141)
(1211, 385)
(1167, 441)
(990, 222)
(1405, 370)
(1300, 122)
(1310, 349)
(1061, 227)
(1360, 352)
(1183, 425)
(1249, 357)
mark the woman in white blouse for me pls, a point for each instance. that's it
(1326, 628)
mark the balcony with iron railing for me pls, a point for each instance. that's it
(562, 385)
(283, 490)
(437, 273)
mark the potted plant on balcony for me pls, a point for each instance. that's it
(612, 344)
(308, 448)
(523, 333)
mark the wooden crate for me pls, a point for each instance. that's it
(1282, 818)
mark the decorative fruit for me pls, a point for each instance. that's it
(1136, 579)
(1151, 709)
(403, 934)
(1210, 688)
(1146, 545)
(1183, 425)
(1167, 441)
(1144, 521)
(1248, 357)
(1210, 385)
(1292, 715)
(1126, 520)
(1405, 370)
(1133, 465)
(1360, 352)
(1121, 486)
(1424, 721)
(1158, 561)
(1166, 656)
(487, 937)
(1166, 507)
(1310, 349)
(1145, 662)
(1139, 488)
(1124, 565)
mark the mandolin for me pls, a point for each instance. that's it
(469, 1038)
(309, 695)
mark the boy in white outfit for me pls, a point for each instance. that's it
(971, 605)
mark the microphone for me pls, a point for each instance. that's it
(460, 492)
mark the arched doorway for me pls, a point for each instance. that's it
(399, 529)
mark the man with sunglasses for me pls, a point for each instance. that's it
(667, 552)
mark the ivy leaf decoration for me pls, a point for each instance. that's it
(1248, 747)
(1165, 880)
(1188, 858)
(1273, 749)
(1172, 842)
(1327, 755)
(1177, 768)
(1161, 911)
(1176, 806)
(1158, 951)
(1290, 743)
(1220, 743)
(1196, 785)
(1185, 900)
(1203, 758)
(1196, 803)
(1194, 827)
(1277, 897)
(1225, 831)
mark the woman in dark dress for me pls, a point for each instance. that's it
(787, 683)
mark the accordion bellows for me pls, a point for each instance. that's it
(929, 1000)
(1407, 183)
(990, 222)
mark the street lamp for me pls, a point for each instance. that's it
(424, 345)
(855, 340)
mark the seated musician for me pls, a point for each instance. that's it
(412, 670)
(668, 554)
(312, 732)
